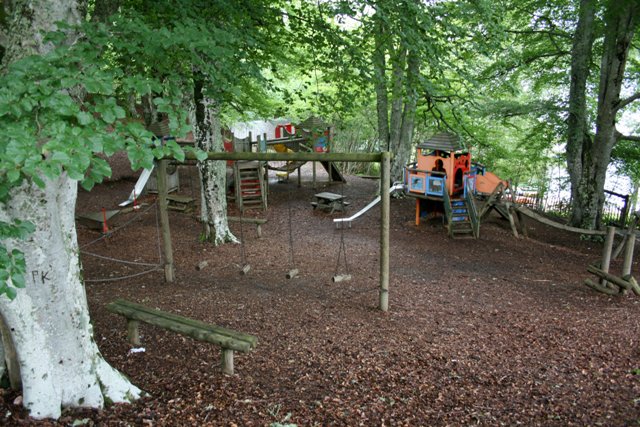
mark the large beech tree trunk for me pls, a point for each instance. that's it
(47, 335)
(213, 211)
(59, 362)
(395, 127)
(578, 139)
(589, 161)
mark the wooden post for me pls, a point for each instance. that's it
(385, 213)
(523, 226)
(512, 222)
(314, 174)
(606, 252)
(227, 361)
(169, 274)
(628, 250)
(133, 331)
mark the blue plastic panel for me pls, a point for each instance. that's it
(435, 186)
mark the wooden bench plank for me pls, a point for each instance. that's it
(184, 329)
(252, 340)
(227, 339)
(247, 220)
(199, 330)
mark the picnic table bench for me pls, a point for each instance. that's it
(228, 340)
(330, 201)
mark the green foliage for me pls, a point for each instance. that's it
(12, 264)
(59, 111)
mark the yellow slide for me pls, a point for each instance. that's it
(281, 148)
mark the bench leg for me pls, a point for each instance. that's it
(227, 361)
(133, 331)
(259, 230)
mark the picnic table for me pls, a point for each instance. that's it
(330, 201)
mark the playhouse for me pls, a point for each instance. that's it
(442, 162)
(443, 179)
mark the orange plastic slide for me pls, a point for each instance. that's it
(488, 182)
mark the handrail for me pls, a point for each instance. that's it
(471, 209)
(446, 201)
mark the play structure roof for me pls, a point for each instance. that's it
(443, 141)
(313, 122)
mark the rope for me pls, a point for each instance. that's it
(114, 279)
(243, 255)
(291, 252)
(155, 266)
(104, 236)
(117, 260)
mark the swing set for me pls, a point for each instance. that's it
(382, 158)
(294, 271)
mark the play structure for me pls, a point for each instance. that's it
(249, 178)
(279, 136)
(339, 275)
(444, 180)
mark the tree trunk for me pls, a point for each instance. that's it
(51, 337)
(405, 147)
(60, 364)
(578, 139)
(397, 99)
(621, 18)
(379, 72)
(213, 211)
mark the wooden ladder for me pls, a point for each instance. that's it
(250, 188)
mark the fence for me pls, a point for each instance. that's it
(614, 211)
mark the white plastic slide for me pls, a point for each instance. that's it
(394, 187)
(139, 187)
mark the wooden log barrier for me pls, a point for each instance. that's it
(609, 277)
(634, 284)
(606, 253)
(598, 287)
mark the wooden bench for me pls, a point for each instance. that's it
(227, 339)
(247, 220)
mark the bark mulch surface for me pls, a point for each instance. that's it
(494, 331)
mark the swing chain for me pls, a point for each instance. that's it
(343, 248)
(291, 252)
(243, 256)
